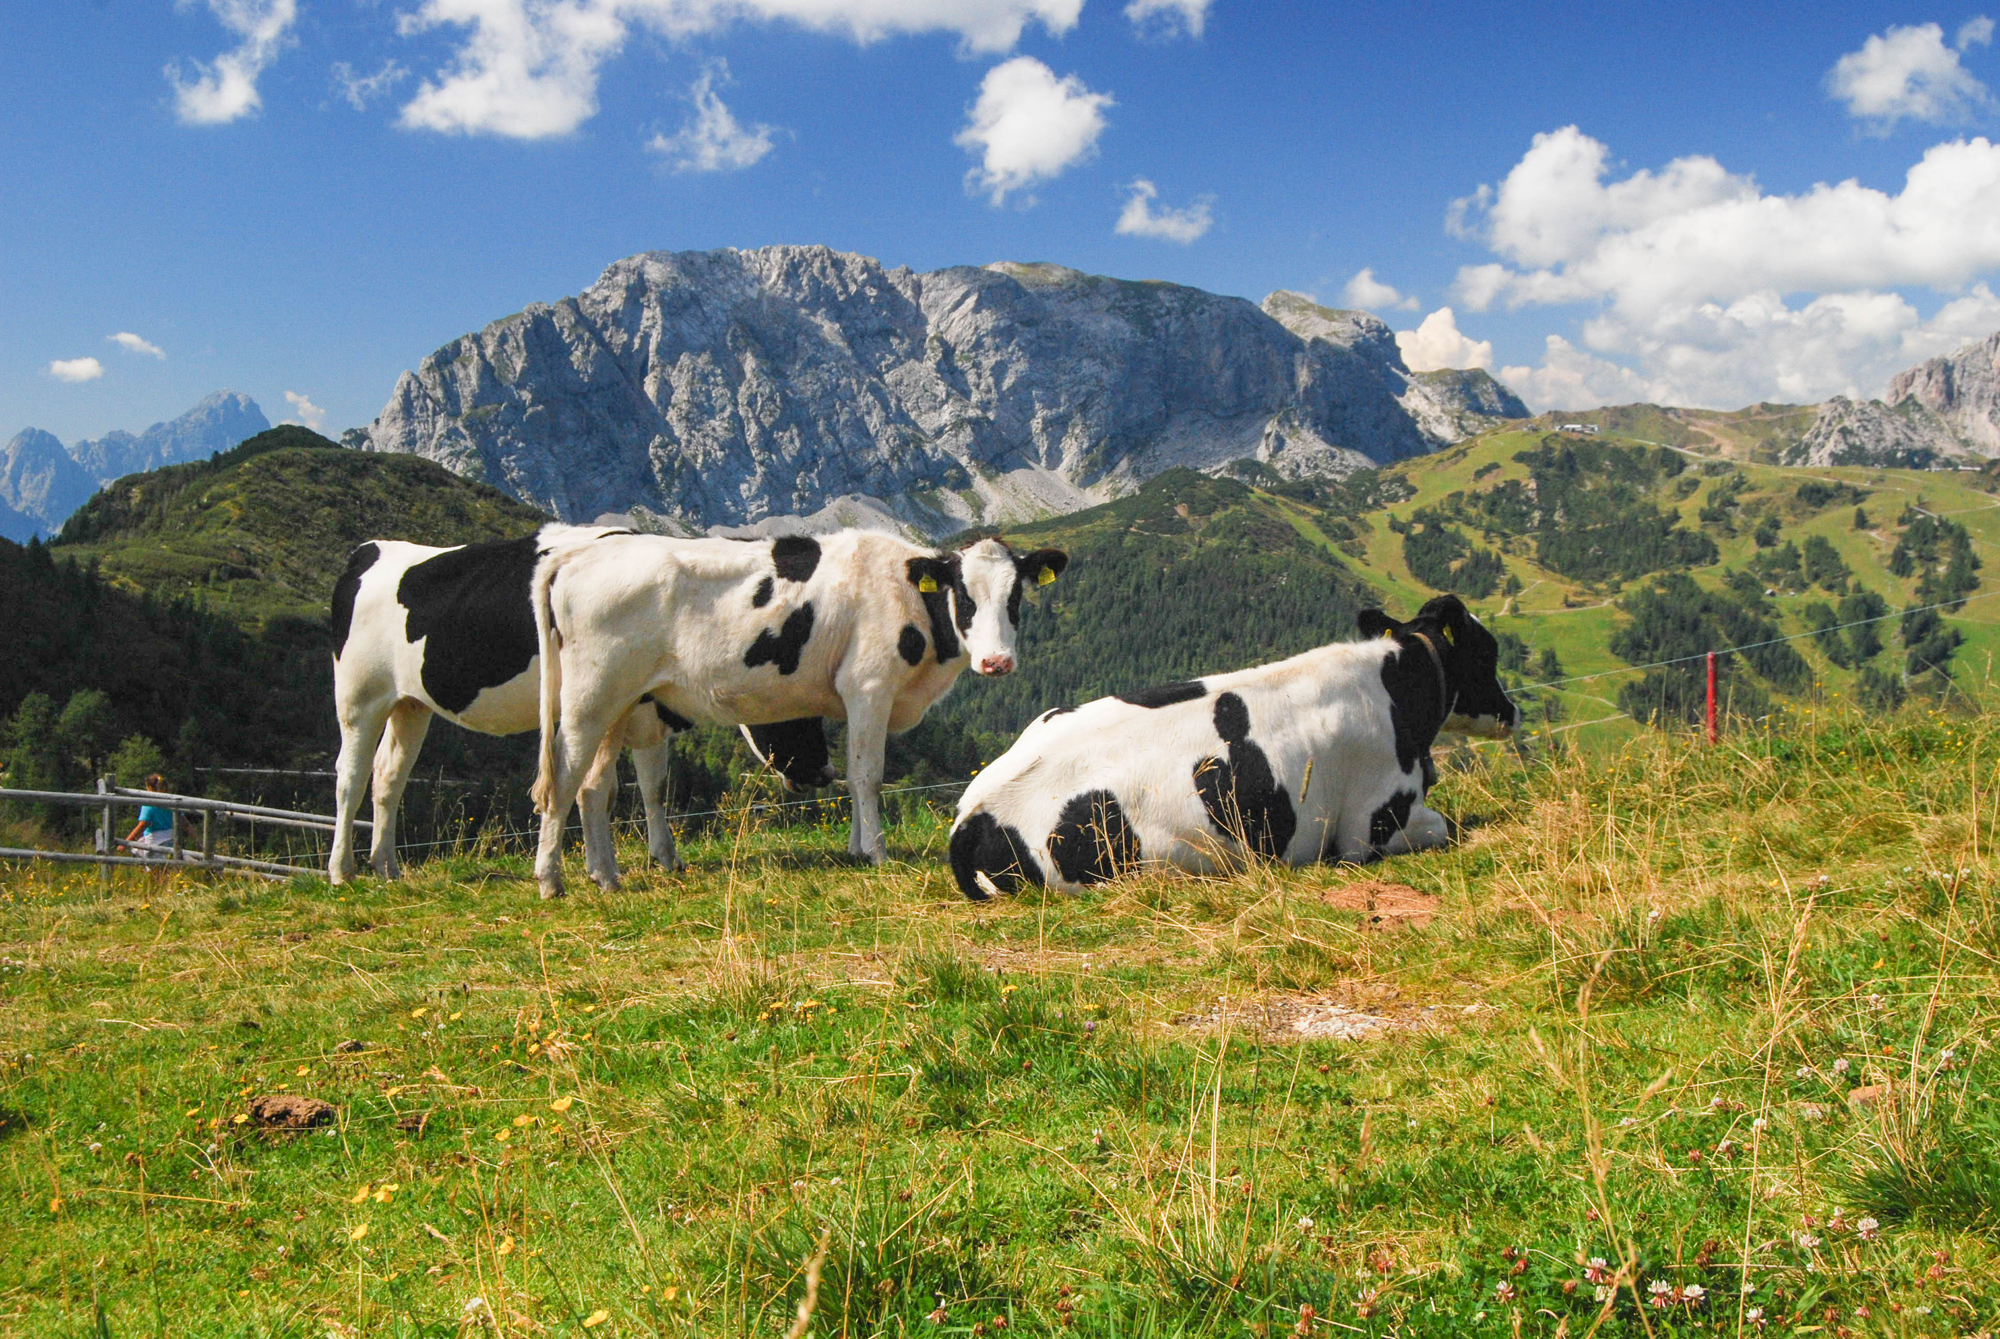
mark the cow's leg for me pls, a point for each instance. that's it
(361, 725)
(395, 759)
(1424, 830)
(651, 764)
(578, 740)
(867, 739)
(600, 847)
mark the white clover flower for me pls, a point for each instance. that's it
(1305, 1224)
(1805, 1071)
(1840, 1065)
(1601, 1292)
(1760, 1124)
(1628, 1120)
(1869, 1229)
(1694, 1292)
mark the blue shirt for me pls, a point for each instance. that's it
(156, 819)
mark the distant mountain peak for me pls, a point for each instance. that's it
(42, 481)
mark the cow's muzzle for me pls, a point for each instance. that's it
(997, 665)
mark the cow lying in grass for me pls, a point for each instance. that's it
(859, 626)
(1320, 757)
(421, 631)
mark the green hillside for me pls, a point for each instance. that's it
(261, 531)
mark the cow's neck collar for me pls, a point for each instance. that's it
(1446, 698)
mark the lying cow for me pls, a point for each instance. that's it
(421, 631)
(1323, 756)
(859, 626)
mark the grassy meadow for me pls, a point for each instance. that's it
(1676, 1040)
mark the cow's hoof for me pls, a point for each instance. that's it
(606, 883)
(551, 890)
(673, 864)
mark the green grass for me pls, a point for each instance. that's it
(1656, 978)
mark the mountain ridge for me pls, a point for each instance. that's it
(729, 387)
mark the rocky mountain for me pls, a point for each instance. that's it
(1962, 389)
(729, 387)
(219, 422)
(39, 485)
(42, 481)
(1902, 435)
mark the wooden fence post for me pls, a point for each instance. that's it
(103, 838)
(1711, 697)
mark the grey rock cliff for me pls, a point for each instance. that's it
(1869, 432)
(1962, 390)
(729, 387)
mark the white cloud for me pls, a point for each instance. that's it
(1569, 378)
(1365, 292)
(1910, 72)
(305, 411)
(130, 342)
(1168, 18)
(528, 69)
(714, 141)
(1169, 225)
(227, 90)
(1721, 294)
(76, 369)
(1437, 344)
(1028, 126)
(362, 89)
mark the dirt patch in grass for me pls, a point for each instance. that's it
(1352, 1011)
(1386, 906)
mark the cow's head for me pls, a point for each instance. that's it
(975, 594)
(1467, 668)
(795, 750)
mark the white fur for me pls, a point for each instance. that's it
(638, 615)
(1327, 708)
(385, 712)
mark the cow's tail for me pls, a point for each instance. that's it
(548, 644)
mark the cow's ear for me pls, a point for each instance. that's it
(1375, 623)
(929, 575)
(1042, 566)
(1451, 615)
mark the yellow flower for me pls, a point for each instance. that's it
(670, 1293)
(362, 1193)
(455, 1017)
(302, 1071)
(562, 1104)
(596, 1318)
(506, 1246)
(523, 1120)
(504, 1135)
(419, 1011)
(357, 1232)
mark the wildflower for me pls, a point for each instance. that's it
(1840, 1065)
(1869, 1229)
(96, 1147)
(1714, 1103)
(1755, 1315)
(1662, 1292)
(1805, 1071)
(1505, 1291)
(1693, 1294)
(1627, 1120)
(1601, 1293)
(1837, 1223)
(1305, 1224)
(937, 1317)
(1760, 1124)
(1726, 1149)
(1306, 1314)
(1598, 1270)
(1805, 1241)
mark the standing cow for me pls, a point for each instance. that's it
(421, 631)
(1323, 756)
(859, 626)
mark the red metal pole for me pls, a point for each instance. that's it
(1711, 697)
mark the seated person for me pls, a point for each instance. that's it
(154, 832)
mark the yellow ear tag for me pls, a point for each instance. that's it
(928, 585)
(1047, 578)
(1449, 640)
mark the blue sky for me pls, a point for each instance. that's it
(308, 196)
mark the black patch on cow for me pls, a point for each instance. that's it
(345, 589)
(1429, 771)
(1093, 842)
(1390, 819)
(910, 644)
(1240, 793)
(982, 844)
(670, 718)
(1014, 605)
(795, 556)
(944, 574)
(762, 596)
(1412, 682)
(1232, 719)
(1053, 712)
(796, 750)
(1051, 561)
(1165, 694)
(783, 647)
(474, 606)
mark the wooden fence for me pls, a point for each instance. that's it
(182, 855)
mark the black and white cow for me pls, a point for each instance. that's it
(421, 631)
(1322, 756)
(859, 626)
